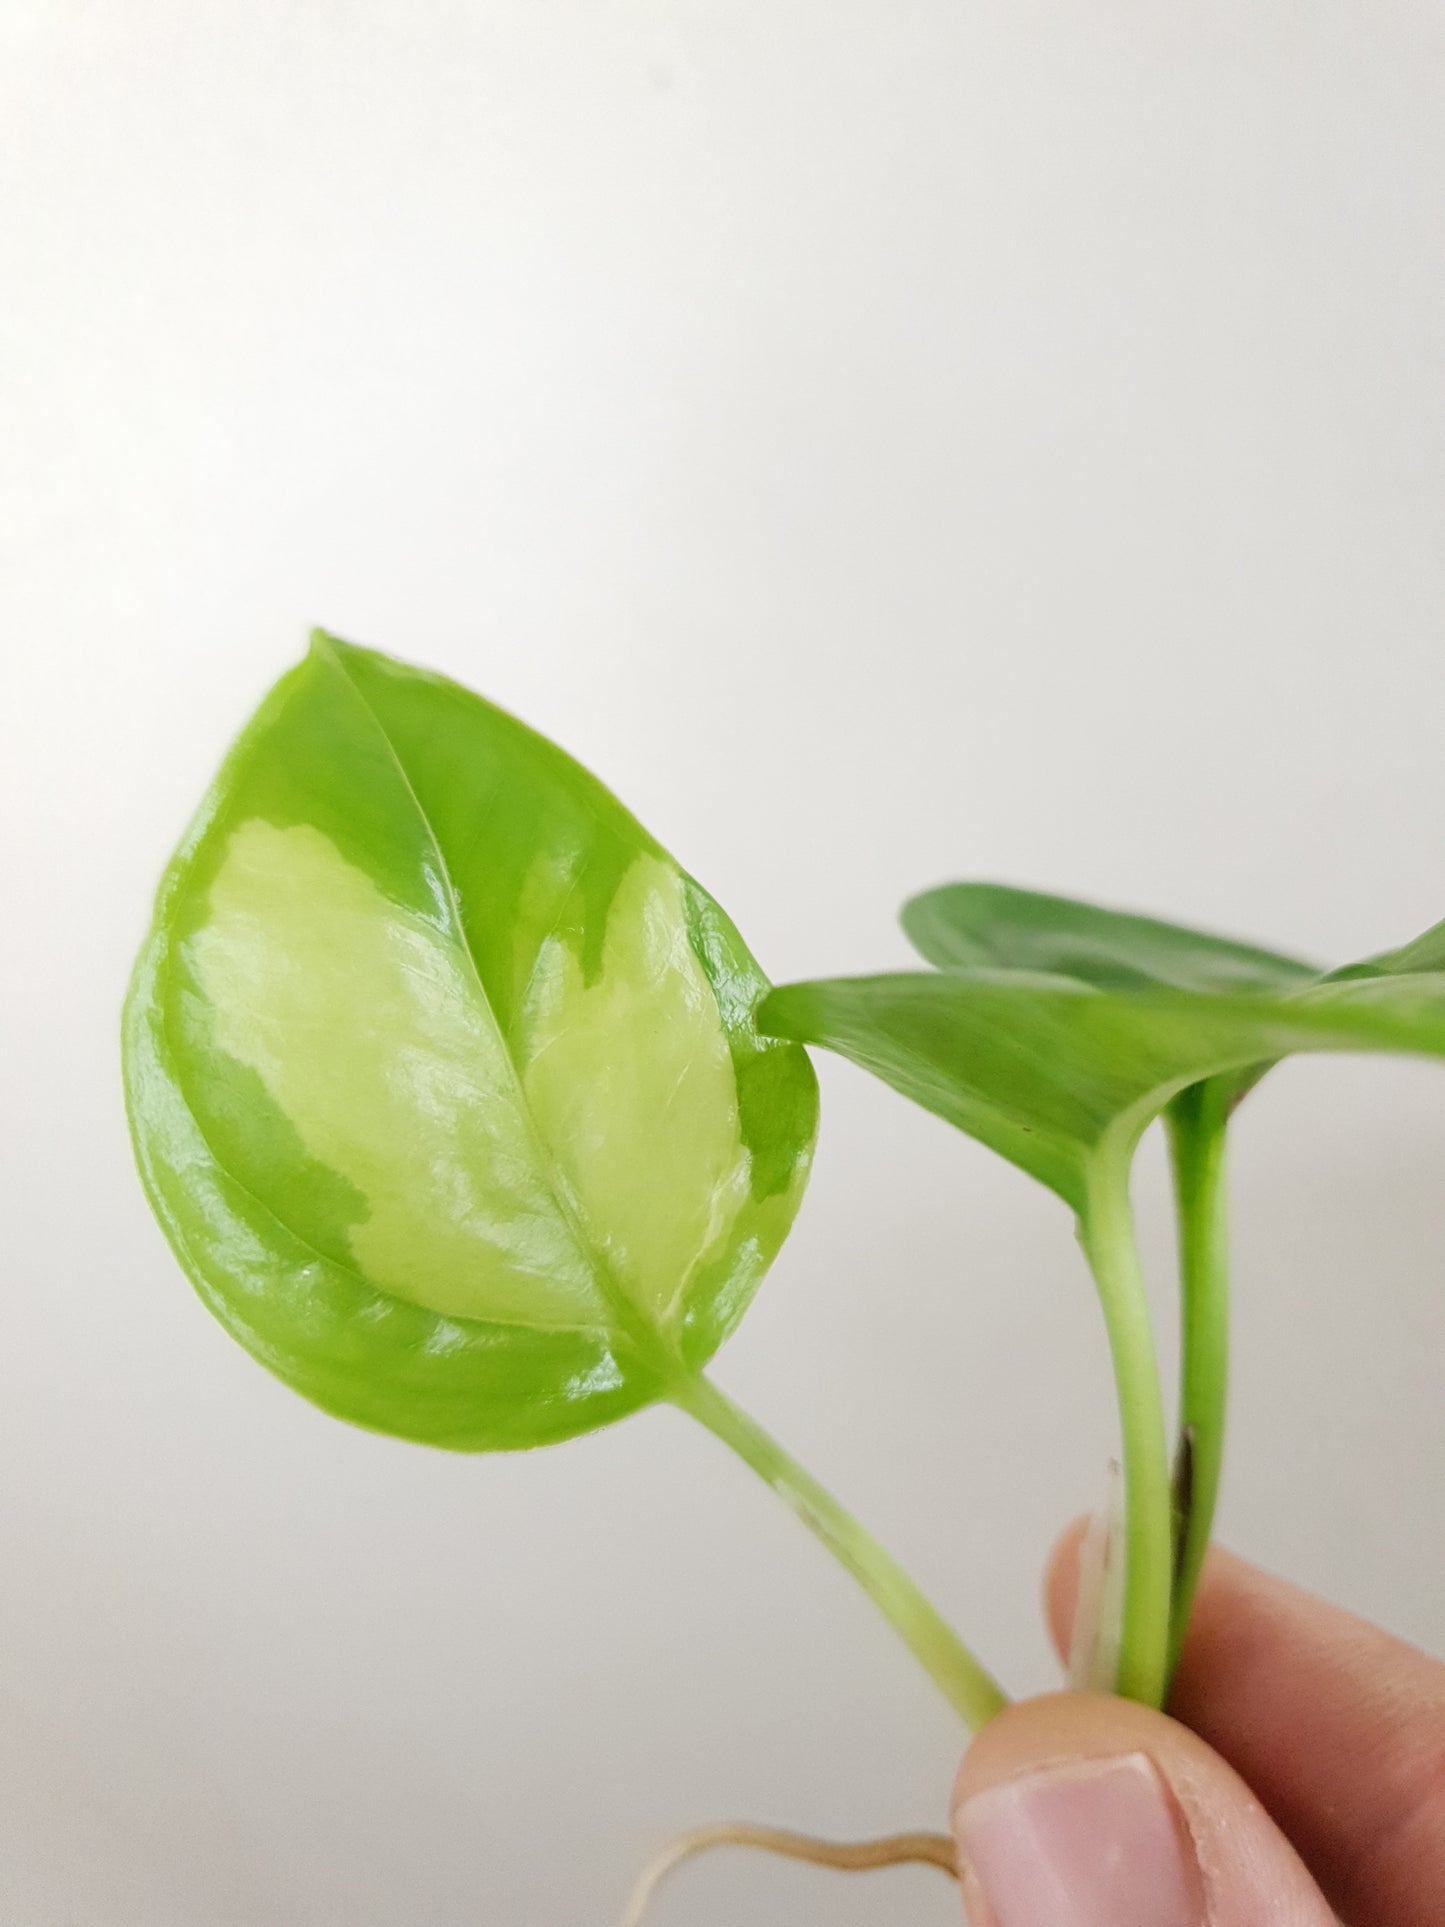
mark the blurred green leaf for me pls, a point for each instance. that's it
(1061, 1077)
(963, 926)
(1042, 1068)
(1424, 953)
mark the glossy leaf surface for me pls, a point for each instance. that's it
(964, 926)
(1042, 1068)
(443, 1076)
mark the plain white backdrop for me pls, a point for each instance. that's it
(887, 442)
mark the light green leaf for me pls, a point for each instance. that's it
(979, 925)
(443, 1076)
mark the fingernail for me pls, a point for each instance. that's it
(1094, 1843)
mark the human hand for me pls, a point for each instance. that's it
(1303, 1771)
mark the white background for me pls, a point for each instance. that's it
(887, 442)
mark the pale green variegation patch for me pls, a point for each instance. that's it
(631, 1083)
(368, 1029)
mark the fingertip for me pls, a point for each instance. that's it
(1084, 1807)
(1053, 1727)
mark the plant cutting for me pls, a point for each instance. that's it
(469, 1113)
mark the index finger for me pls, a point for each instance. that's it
(1337, 1727)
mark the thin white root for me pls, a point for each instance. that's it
(846, 1856)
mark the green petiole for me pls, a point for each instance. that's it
(1106, 1232)
(972, 1692)
(1196, 1121)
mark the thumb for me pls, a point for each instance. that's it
(1078, 1810)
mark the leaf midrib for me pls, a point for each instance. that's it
(631, 1323)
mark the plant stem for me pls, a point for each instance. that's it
(1106, 1231)
(1196, 1123)
(964, 1683)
